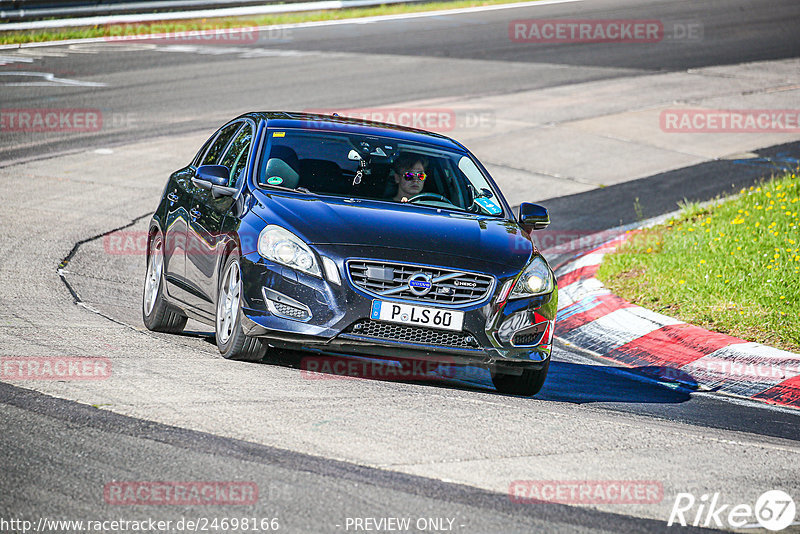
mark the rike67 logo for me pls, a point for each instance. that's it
(774, 510)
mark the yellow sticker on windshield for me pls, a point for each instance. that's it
(278, 134)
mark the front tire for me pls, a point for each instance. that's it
(232, 342)
(527, 384)
(157, 315)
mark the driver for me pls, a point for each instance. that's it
(408, 171)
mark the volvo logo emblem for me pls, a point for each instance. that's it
(420, 284)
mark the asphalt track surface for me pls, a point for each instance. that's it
(55, 450)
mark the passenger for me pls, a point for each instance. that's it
(408, 171)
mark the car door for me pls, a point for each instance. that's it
(179, 194)
(206, 240)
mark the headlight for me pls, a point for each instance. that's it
(282, 246)
(534, 280)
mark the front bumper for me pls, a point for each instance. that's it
(296, 310)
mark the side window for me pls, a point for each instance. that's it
(235, 158)
(202, 151)
(212, 156)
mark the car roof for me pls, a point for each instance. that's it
(313, 121)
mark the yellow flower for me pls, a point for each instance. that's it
(681, 281)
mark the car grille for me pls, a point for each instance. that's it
(412, 334)
(382, 279)
(289, 311)
(529, 337)
(284, 306)
(527, 340)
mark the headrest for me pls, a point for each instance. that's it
(278, 172)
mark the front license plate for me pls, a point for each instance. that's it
(409, 314)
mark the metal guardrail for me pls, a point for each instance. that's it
(24, 10)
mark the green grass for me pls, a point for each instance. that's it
(234, 22)
(733, 267)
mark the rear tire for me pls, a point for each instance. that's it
(232, 342)
(157, 315)
(527, 384)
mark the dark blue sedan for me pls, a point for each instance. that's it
(343, 236)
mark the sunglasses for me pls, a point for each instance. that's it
(415, 176)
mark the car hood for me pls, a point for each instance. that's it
(333, 220)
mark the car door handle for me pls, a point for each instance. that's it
(173, 197)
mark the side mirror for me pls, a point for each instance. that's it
(533, 216)
(211, 175)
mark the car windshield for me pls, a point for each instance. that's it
(377, 168)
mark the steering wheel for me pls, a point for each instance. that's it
(433, 196)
